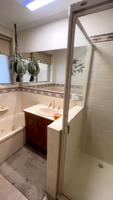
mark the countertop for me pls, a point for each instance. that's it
(56, 124)
(34, 110)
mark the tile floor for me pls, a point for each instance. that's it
(8, 191)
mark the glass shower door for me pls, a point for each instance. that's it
(73, 168)
(79, 170)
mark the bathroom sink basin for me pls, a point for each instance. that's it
(47, 112)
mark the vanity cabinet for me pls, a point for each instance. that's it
(36, 130)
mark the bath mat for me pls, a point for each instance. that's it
(26, 170)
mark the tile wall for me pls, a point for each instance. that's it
(30, 99)
(98, 140)
(53, 146)
(13, 101)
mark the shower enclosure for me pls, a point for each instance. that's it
(86, 162)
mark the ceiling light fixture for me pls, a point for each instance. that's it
(34, 4)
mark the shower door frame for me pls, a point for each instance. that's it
(75, 11)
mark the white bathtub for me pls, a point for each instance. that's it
(11, 140)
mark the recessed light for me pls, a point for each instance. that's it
(83, 3)
(34, 4)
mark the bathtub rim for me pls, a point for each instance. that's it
(10, 134)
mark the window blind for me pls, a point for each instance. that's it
(5, 45)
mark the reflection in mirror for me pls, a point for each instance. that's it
(52, 75)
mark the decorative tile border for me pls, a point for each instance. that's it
(43, 92)
(7, 90)
(102, 38)
(37, 90)
(53, 84)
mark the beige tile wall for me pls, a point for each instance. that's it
(13, 101)
(53, 146)
(98, 140)
(30, 99)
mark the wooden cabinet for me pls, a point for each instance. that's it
(36, 130)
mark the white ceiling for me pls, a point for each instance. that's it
(13, 11)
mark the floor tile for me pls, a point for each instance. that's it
(8, 191)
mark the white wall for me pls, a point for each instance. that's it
(99, 105)
(13, 101)
(42, 38)
(59, 66)
(80, 54)
(51, 36)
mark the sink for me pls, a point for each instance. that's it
(47, 112)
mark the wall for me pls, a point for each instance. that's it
(72, 149)
(30, 99)
(13, 101)
(43, 38)
(98, 140)
(59, 65)
(50, 36)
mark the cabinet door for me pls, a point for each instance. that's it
(45, 123)
(33, 134)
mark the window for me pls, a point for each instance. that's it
(4, 66)
(27, 76)
(44, 74)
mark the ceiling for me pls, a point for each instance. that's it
(13, 11)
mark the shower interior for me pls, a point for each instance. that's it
(88, 164)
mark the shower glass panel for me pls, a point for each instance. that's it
(88, 165)
(74, 164)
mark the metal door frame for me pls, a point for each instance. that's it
(75, 11)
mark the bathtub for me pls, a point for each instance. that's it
(12, 135)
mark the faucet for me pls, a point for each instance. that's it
(52, 103)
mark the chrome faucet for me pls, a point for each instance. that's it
(52, 103)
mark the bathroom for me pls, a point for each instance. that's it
(91, 152)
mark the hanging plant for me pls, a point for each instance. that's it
(33, 68)
(17, 64)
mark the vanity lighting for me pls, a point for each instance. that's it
(34, 4)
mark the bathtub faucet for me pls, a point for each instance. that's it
(52, 103)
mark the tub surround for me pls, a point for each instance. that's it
(11, 141)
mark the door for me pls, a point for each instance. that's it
(33, 129)
(73, 165)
